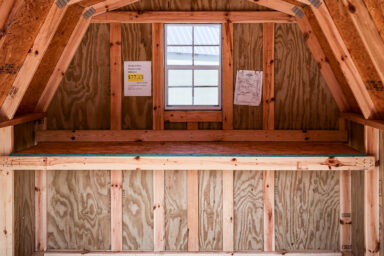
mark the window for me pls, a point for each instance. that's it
(193, 66)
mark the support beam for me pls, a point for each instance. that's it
(191, 135)
(110, 5)
(193, 116)
(193, 210)
(371, 195)
(269, 76)
(258, 253)
(193, 17)
(32, 61)
(325, 68)
(23, 119)
(269, 211)
(158, 75)
(345, 213)
(41, 210)
(159, 210)
(345, 60)
(116, 211)
(116, 76)
(228, 219)
(378, 124)
(227, 77)
(7, 235)
(62, 65)
(278, 5)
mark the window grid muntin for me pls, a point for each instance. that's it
(193, 68)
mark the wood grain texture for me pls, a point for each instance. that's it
(376, 9)
(248, 210)
(193, 209)
(24, 182)
(302, 99)
(137, 46)
(228, 212)
(24, 136)
(82, 99)
(248, 41)
(307, 211)
(158, 75)
(193, 5)
(158, 210)
(358, 213)
(210, 210)
(176, 227)
(79, 210)
(381, 192)
(138, 210)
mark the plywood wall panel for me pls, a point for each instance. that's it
(24, 213)
(248, 210)
(210, 210)
(248, 55)
(82, 99)
(307, 210)
(357, 191)
(137, 46)
(79, 210)
(176, 225)
(302, 99)
(137, 210)
(24, 136)
(193, 5)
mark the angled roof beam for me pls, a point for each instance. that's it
(32, 61)
(368, 32)
(278, 5)
(345, 60)
(71, 48)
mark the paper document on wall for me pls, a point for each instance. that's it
(249, 87)
(137, 78)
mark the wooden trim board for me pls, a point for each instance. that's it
(23, 119)
(158, 75)
(378, 124)
(190, 135)
(303, 253)
(193, 116)
(193, 17)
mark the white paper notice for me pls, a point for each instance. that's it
(137, 78)
(249, 86)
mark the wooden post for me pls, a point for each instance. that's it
(41, 210)
(227, 79)
(371, 195)
(228, 211)
(193, 210)
(159, 211)
(345, 213)
(158, 75)
(116, 109)
(7, 235)
(269, 124)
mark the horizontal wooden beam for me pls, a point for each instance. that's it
(23, 119)
(190, 135)
(258, 253)
(193, 17)
(193, 116)
(287, 163)
(378, 124)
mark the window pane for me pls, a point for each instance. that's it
(179, 56)
(207, 77)
(179, 96)
(206, 96)
(177, 35)
(207, 35)
(179, 77)
(209, 55)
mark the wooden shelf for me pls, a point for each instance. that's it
(250, 149)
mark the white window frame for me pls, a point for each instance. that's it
(193, 68)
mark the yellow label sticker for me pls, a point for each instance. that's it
(135, 77)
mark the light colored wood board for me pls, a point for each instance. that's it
(228, 211)
(193, 5)
(248, 210)
(17, 37)
(359, 54)
(248, 41)
(357, 213)
(268, 76)
(333, 61)
(376, 9)
(307, 211)
(158, 210)
(176, 227)
(193, 209)
(116, 210)
(50, 59)
(24, 213)
(227, 76)
(281, 253)
(137, 46)
(302, 99)
(79, 210)
(24, 136)
(138, 210)
(82, 99)
(210, 211)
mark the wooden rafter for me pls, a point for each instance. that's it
(345, 60)
(278, 5)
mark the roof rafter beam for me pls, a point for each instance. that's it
(278, 5)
